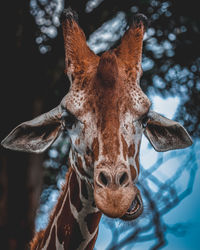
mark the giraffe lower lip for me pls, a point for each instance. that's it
(135, 209)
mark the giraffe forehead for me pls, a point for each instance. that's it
(99, 101)
(107, 110)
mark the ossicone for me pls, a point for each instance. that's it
(69, 14)
(139, 19)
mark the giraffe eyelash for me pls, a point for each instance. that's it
(144, 121)
(68, 120)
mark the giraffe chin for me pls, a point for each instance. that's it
(135, 209)
(114, 203)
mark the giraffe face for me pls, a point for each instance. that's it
(107, 127)
(104, 115)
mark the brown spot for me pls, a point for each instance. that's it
(88, 161)
(88, 151)
(84, 190)
(80, 167)
(79, 161)
(77, 142)
(125, 147)
(133, 172)
(131, 150)
(92, 221)
(137, 159)
(73, 240)
(95, 148)
(75, 200)
(67, 229)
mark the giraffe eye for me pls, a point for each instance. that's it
(67, 120)
(144, 121)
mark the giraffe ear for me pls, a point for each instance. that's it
(165, 134)
(36, 135)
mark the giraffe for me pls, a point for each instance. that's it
(104, 115)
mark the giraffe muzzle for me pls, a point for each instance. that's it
(115, 193)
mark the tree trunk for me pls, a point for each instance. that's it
(20, 173)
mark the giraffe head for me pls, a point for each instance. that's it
(104, 114)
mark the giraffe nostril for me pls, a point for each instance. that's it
(123, 179)
(103, 179)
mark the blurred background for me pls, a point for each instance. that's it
(33, 82)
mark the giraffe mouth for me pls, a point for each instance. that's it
(135, 210)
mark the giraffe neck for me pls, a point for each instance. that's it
(75, 219)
